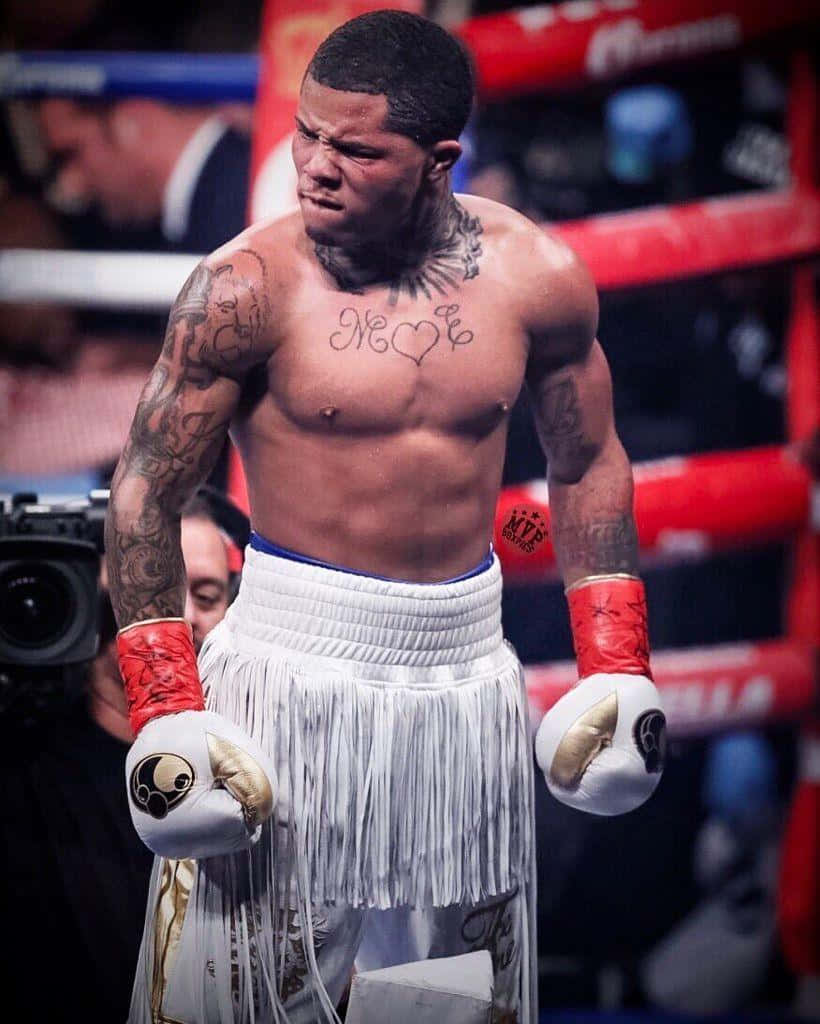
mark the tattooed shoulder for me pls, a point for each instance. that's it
(220, 322)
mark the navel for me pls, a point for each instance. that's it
(328, 413)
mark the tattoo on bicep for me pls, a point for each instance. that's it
(609, 545)
(561, 422)
(218, 318)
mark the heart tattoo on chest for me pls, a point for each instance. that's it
(414, 341)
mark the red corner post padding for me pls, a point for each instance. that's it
(159, 671)
(798, 907)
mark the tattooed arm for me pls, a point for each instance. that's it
(590, 478)
(601, 746)
(217, 329)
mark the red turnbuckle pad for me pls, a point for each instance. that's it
(609, 625)
(159, 671)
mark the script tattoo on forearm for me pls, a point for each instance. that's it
(605, 546)
(215, 324)
(411, 340)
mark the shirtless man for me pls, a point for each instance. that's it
(366, 729)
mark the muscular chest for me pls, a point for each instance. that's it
(446, 362)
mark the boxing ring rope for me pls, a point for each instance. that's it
(687, 507)
(623, 250)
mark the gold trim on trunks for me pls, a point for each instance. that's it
(174, 890)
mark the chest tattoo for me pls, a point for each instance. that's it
(414, 341)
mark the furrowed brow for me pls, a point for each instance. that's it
(337, 143)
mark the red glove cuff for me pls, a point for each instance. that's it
(609, 625)
(159, 671)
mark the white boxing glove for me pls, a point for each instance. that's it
(198, 785)
(602, 746)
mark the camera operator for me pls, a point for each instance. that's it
(75, 871)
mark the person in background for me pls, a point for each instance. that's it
(76, 874)
(143, 162)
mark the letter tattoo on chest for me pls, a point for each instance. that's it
(413, 340)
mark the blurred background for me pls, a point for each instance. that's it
(674, 146)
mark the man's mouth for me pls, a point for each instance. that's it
(323, 201)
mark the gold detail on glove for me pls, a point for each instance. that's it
(583, 741)
(241, 775)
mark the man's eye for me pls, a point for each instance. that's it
(355, 155)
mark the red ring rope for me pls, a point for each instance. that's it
(645, 246)
(554, 45)
(687, 506)
(708, 689)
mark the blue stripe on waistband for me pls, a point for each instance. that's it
(260, 543)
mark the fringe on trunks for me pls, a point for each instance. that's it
(397, 718)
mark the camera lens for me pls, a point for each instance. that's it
(37, 604)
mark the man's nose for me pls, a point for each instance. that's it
(321, 166)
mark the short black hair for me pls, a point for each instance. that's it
(424, 72)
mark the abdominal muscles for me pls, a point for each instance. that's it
(415, 502)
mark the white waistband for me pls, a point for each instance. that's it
(327, 612)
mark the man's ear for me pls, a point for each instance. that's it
(443, 156)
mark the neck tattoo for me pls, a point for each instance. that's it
(448, 255)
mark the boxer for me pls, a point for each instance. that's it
(352, 750)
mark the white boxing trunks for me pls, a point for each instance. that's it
(397, 718)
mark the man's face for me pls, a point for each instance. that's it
(356, 181)
(206, 566)
(97, 153)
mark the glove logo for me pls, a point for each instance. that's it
(649, 732)
(159, 782)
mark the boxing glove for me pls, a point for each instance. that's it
(198, 786)
(602, 746)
